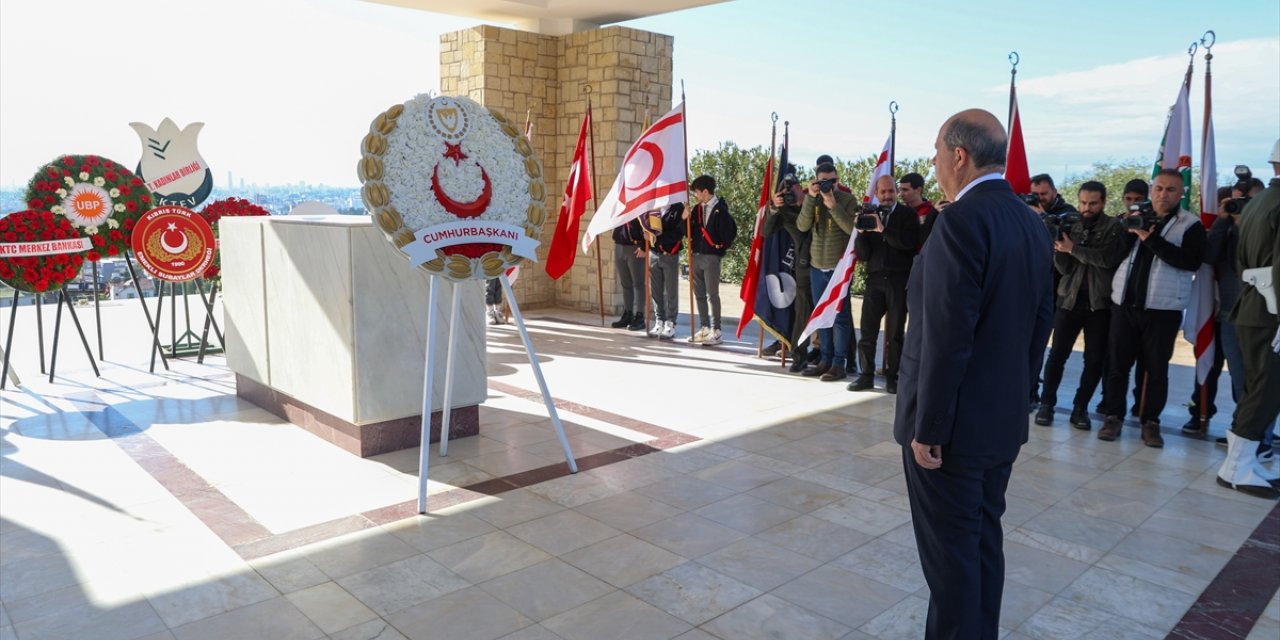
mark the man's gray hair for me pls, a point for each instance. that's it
(987, 150)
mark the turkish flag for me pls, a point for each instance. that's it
(576, 194)
(1015, 168)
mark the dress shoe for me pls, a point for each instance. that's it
(799, 361)
(625, 321)
(1151, 434)
(861, 384)
(772, 350)
(1192, 427)
(836, 372)
(1080, 419)
(1110, 428)
(814, 372)
(1044, 417)
(891, 387)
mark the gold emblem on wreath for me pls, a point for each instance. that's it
(156, 246)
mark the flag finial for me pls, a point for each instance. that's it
(1014, 59)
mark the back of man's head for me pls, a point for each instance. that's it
(1137, 186)
(979, 133)
(915, 180)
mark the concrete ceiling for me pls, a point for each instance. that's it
(552, 17)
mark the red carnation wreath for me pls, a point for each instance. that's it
(226, 208)
(100, 197)
(37, 274)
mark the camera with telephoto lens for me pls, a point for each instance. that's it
(1063, 223)
(1141, 216)
(871, 216)
(1244, 182)
(788, 196)
(827, 185)
(1031, 199)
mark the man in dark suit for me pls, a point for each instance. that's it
(980, 300)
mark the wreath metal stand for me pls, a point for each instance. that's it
(209, 320)
(425, 450)
(154, 327)
(63, 299)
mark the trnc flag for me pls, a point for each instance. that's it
(1175, 146)
(884, 167)
(751, 277)
(512, 274)
(1197, 324)
(653, 175)
(833, 299)
(576, 194)
(1015, 167)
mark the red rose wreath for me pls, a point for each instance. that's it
(224, 208)
(99, 197)
(38, 274)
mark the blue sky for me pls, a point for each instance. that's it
(287, 87)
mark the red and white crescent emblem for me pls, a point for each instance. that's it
(173, 243)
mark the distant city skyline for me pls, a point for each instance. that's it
(298, 116)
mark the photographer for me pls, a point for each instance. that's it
(784, 213)
(827, 214)
(1086, 255)
(888, 235)
(1150, 290)
(1048, 202)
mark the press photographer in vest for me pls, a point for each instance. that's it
(1150, 290)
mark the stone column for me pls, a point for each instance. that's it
(518, 72)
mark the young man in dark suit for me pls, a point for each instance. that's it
(981, 305)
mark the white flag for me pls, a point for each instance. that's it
(883, 168)
(833, 299)
(653, 175)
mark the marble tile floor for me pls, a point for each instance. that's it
(719, 498)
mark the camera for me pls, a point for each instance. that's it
(1031, 199)
(788, 196)
(1141, 216)
(827, 185)
(1063, 223)
(871, 216)
(1244, 181)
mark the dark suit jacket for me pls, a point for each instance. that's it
(980, 302)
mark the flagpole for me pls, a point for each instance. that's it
(644, 233)
(1014, 59)
(1207, 40)
(595, 202)
(688, 219)
(893, 133)
(773, 143)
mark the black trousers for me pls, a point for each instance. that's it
(955, 511)
(1147, 336)
(885, 298)
(493, 291)
(1067, 325)
(1261, 403)
(1210, 380)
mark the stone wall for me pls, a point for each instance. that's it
(628, 73)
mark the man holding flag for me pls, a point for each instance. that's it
(828, 214)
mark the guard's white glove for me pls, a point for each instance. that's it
(1275, 342)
